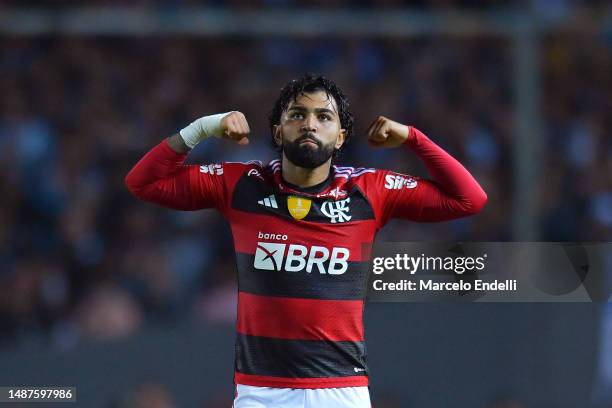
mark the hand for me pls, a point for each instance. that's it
(235, 126)
(385, 132)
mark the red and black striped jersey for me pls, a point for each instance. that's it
(302, 253)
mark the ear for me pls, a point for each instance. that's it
(341, 139)
(278, 137)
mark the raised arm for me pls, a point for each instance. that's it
(451, 192)
(162, 178)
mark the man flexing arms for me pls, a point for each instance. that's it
(300, 225)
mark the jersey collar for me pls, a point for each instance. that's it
(327, 188)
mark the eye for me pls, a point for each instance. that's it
(296, 115)
(324, 117)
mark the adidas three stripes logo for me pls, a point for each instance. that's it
(269, 202)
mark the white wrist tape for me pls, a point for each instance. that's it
(202, 128)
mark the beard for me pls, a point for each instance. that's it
(308, 156)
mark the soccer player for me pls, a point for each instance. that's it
(300, 226)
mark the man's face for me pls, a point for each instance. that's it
(310, 130)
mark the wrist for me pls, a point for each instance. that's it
(202, 128)
(411, 136)
(177, 144)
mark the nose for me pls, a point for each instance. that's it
(309, 124)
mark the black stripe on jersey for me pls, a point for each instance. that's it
(351, 285)
(250, 190)
(299, 358)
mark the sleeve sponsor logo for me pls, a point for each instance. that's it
(212, 169)
(396, 182)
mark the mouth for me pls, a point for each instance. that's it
(308, 140)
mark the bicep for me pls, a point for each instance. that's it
(427, 202)
(188, 188)
(416, 199)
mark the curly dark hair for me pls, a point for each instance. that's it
(309, 83)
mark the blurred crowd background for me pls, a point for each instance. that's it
(81, 259)
(564, 5)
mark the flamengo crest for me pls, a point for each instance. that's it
(337, 211)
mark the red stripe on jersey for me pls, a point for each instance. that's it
(350, 235)
(300, 319)
(282, 382)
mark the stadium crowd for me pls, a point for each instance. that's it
(78, 113)
(556, 6)
(81, 258)
(424, 4)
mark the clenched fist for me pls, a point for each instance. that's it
(235, 126)
(385, 132)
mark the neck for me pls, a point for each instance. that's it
(303, 177)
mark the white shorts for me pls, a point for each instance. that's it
(265, 397)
